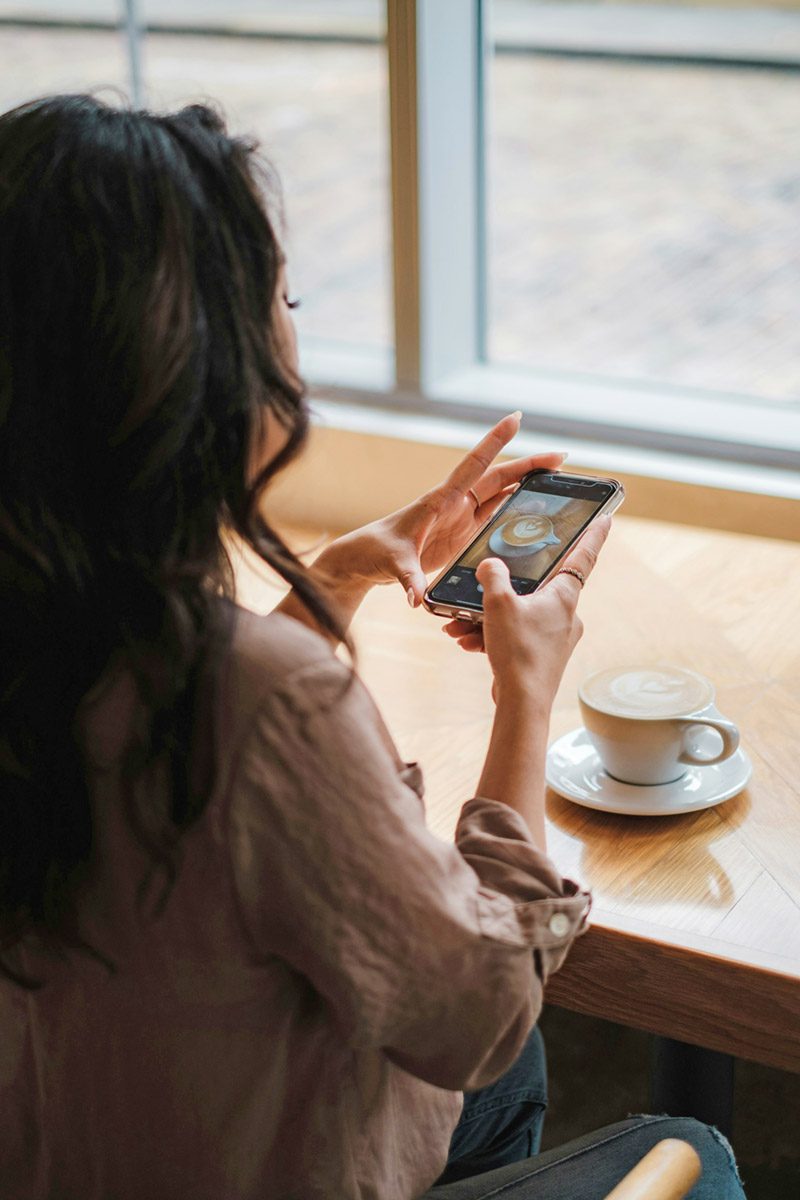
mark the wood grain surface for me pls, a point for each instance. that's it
(696, 918)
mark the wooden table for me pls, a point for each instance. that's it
(695, 929)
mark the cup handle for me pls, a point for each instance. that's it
(726, 730)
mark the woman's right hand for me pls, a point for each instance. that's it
(529, 639)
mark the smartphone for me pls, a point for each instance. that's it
(533, 532)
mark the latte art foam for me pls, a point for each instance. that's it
(526, 531)
(647, 692)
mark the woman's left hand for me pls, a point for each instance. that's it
(426, 534)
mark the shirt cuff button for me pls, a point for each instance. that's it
(559, 924)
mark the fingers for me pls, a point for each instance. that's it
(412, 580)
(468, 635)
(487, 508)
(472, 643)
(473, 465)
(476, 466)
(458, 629)
(583, 557)
(585, 554)
(493, 576)
(503, 475)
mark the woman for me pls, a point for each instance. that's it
(235, 964)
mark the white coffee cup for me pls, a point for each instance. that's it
(650, 723)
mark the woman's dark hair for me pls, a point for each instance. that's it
(138, 358)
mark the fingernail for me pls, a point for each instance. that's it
(518, 414)
(412, 600)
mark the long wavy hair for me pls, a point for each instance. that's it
(138, 358)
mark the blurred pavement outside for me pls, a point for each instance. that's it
(643, 216)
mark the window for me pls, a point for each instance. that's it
(591, 212)
(644, 182)
(607, 239)
(308, 79)
(65, 47)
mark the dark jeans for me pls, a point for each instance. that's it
(494, 1148)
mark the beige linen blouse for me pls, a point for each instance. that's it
(325, 978)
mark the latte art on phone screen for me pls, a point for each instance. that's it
(527, 530)
(647, 692)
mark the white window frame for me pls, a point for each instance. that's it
(436, 52)
(437, 383)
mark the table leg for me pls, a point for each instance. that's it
(689, 1081)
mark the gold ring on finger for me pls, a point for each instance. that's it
(474, 495)
(579, 575)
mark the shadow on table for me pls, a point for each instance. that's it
(668, 863)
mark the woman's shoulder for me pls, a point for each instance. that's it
(275, 675)
(270, 655)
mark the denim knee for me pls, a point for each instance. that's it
(720, 1175)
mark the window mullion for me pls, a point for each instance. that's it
(401, 34)
(133, 45)
(436, 72)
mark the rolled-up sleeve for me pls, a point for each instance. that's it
(522, 899)
(432, 953)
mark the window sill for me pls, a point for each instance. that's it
(369, 453)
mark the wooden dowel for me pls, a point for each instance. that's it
(667, 1173)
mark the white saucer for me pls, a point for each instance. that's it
(574, 771)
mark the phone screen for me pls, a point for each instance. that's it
(536, 527)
